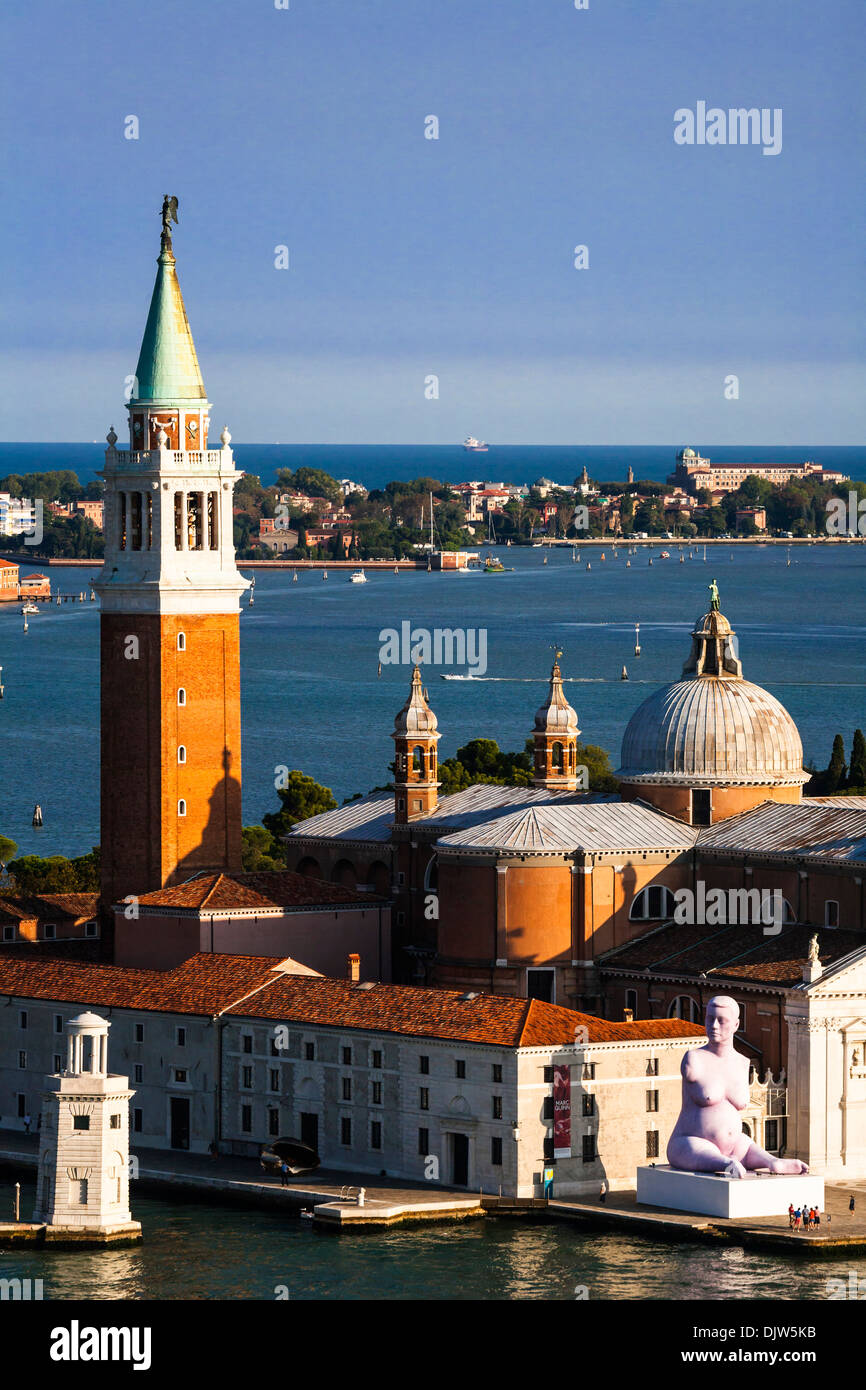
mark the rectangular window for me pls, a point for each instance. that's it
(273, 1121)
(424, 1142)
(247, 1043)
(376, 1134)
(497, 1071)
(423, 1099)
(347, 1088)
(81, 1122)
(148, 504)
(460, 1070)
(831, 913)
(346, 1132)
(589, 1148)
(121, 521)
(310, 1052)
(497, 1107)
(424, 1065)
(22, 1018)
(631, 1000)
(212, 529)
(195, 520)
(58, 1063)
(539, 985)
(275, 1051)
(652, 1143)
(181, 1037)
(547, 1108)
(79, 1191)
(137, 1121)
(247, 1078)
(9, 933)
(91, 929)
(247, 1119)
(180, 1075)
(58, 1023)
(588, 1105)
(376, 1061)
(135, 522)
(496, 1152)
(652, 1100)
(178, 521)
(50, 931)
(588, 1073)
(548, 1075)
(771, 1135)
(274, 1078)
(347, 1056)
(138, 1073)
(114, 1122)
(652, 1066)
(139, 1032)
(376, 1093)
(702, 807)
(22, 1061)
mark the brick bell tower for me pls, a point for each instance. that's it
(554, 738)
(416, 790)
(169, 592)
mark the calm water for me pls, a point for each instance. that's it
(203, 1252)
(309, 651)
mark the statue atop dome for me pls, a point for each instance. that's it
(714, 596)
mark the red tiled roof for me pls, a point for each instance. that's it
(28, 906)
(221, 893)
(255, 987)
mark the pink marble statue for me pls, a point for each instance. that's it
(708, 1136)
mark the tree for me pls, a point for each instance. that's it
(834, 777)
(260, 852)
(7, 849)
(301, 798)
(857, 770)
(481, 760)
(56, 874)
(313, 482)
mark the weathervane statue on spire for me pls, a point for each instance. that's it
(169, 215)
(714, 596)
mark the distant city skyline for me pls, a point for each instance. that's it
(411, 258)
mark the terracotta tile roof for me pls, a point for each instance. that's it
(733, 953)
(259, 987)
(221, 893)
(38, 906)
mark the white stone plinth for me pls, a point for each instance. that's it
(711, 1194)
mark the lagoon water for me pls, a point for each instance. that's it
(196, 1251)
(309, 652)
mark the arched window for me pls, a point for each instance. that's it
(181, 808)
(417, 758)
(652, 904)
(181, 696)
(686, 1008)
(431, 874)
(181, 641)
(181, 753)
(556, 756)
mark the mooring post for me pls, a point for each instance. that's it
(17, 1201)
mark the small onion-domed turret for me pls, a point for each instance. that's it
(555, 738)
(416, 789)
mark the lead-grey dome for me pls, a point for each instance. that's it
(712, 726)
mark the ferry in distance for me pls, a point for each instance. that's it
(477, 446)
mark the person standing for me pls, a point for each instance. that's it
(27, 1127)
(851, 1205)
(791, 1216)
(284, 1174)
(602, 1192)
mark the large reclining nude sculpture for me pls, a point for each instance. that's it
(708, 1136)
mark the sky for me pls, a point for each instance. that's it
(452, 258)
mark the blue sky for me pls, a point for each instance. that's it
(454, 257)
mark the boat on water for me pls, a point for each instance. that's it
(624, 676)
(357, 577)
(475, 446)
(665, 555)
(30, 608)
(493, 565)
(443, 677)
(294, 578)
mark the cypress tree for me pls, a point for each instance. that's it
(834, 777)
(857, 770)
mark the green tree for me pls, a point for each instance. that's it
(7, 849)
(857, 769)
(260, 852)
(836, 773)
(301, 798)
(313, 482)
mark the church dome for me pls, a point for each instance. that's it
(416, 716)
(556, 715)
(712, 727)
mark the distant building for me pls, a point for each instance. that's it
(351, 489)
(757, 515)
(693, 472)
(34, 586)
(17, 515)
(8, 581)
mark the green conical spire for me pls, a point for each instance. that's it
(168, 370)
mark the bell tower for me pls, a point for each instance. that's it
(555, 738)
(416, 789)
(169, 592)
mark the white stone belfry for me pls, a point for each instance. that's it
(82, 1191)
